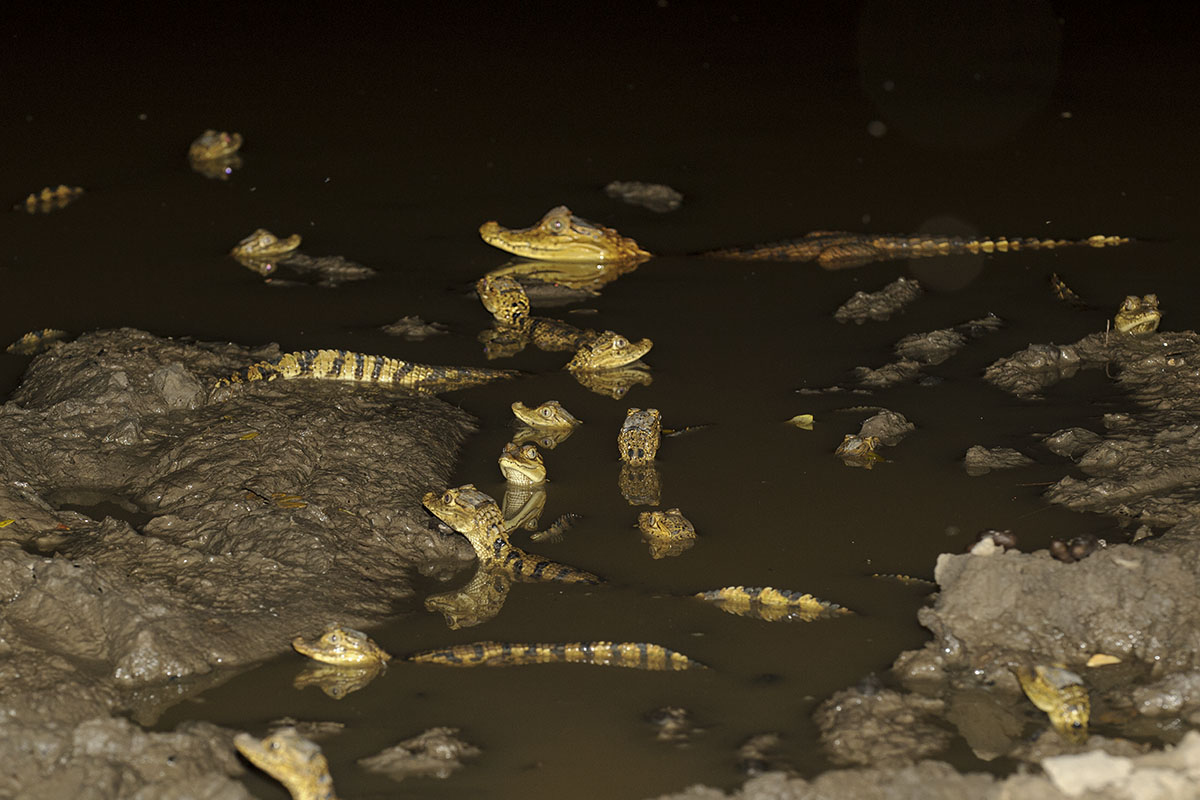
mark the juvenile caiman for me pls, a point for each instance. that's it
(508, 304)
(292, 760)
(524, 472)
(1062, 695)
(637, 441)
(478, 517)
(549, 414)
(563, 236)
(344, 647)
(343, 365)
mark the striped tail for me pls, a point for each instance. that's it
(531, 567)
(634, 655)
(841, 250)
(344, 365)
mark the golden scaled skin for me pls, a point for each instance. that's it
(632, 655)
(669, 533)
(637, 442)
(212, 145)
(344, 647)
(772, 605)
(36, 341)
(1062, 695)
(477, 517)
(549, 414)
(609, 350)
(262, 244)
(562, 236)
(1138, 315)
(505, 299)
(292, 760)
(522, 464)
(859, 451)
(49, 199)
(468, 511)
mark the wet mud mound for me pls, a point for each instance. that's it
(152, 534)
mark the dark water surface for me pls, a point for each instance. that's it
(389, 136)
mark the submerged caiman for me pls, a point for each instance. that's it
(634, 655)
(563, 236)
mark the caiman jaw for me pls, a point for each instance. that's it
(562, 236)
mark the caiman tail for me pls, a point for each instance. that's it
(343, 365)
(634, 655)
(841, 250)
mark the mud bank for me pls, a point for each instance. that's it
(155, 537)
(1126, 618)
(1169, 775)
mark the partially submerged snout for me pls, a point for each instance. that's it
(562, 236)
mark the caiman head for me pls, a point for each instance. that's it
(291, 759)
(344, 647)
(549, 414)
(522, 464)
(609, 350)
(1138, 315)
(562, 236)
(465, 509)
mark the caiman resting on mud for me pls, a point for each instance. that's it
(343, 365)
(563, 236)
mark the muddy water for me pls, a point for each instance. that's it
(389, 140)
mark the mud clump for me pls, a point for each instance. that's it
(154, 535)
(1165, 776)
(436, 753)
(880, 727)
(1143, 465)
(881, 305)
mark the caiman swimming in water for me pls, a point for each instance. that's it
(562, 236)
(478, 517)
(507, 302)
(634, 655)
(292, 760)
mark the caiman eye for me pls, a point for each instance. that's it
(547, 412)
(334, 638)
(531, 452)
(447, 498)
(620, 341)
(556, 225)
